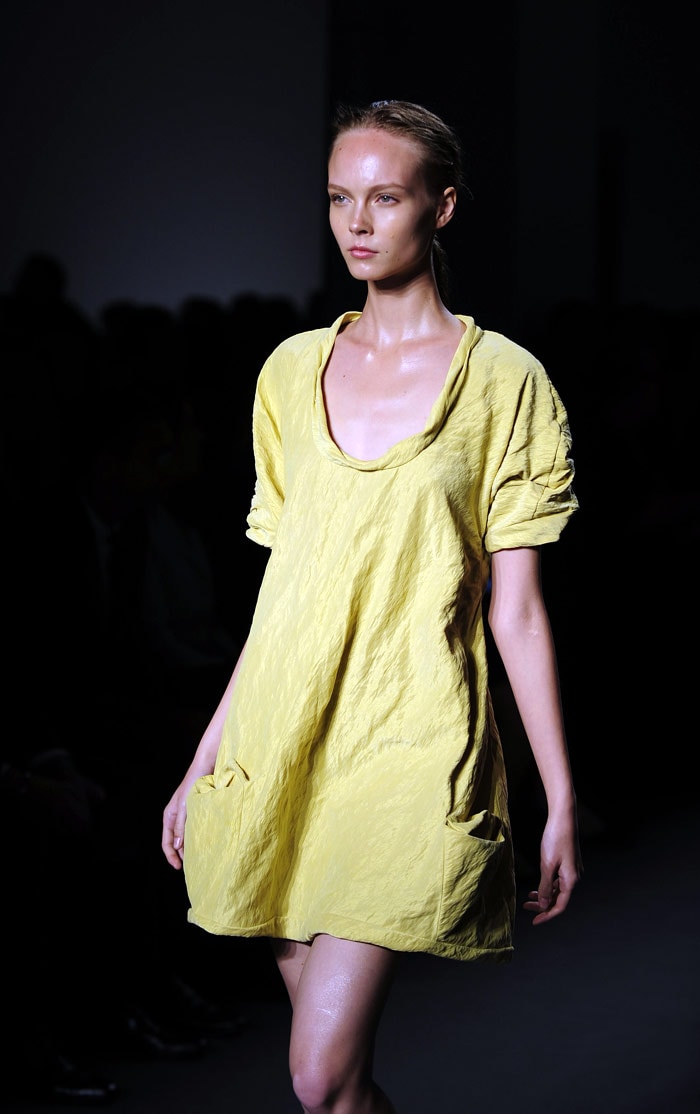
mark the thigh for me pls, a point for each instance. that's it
(290, 956)
(339, 997)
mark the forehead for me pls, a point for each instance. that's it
(374, 155)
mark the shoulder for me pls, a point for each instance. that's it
(295, 347)
(308, 348)
(310, 341)
(511, 373)
(289, 366)
(501, 355)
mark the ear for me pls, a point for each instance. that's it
(446, 207)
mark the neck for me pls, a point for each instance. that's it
(392, 315)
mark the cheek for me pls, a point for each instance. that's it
(334, 223)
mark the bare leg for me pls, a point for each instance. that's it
(338, 989)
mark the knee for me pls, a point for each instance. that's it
(316, 1086)
(314, 1090)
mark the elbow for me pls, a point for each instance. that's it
(497, 625)
(527, 625)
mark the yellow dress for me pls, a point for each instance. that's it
(359, 788)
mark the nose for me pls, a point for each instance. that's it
(358, 220)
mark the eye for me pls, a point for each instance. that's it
(337, 198)
(386, 199)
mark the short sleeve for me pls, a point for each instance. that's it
(532, 497)
(268, 493)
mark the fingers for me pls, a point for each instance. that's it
(560, 870)
(173, 841)
(549, 901)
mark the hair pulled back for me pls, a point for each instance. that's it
(443, 160)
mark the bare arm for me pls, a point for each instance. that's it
(175, 812)
(520, 625)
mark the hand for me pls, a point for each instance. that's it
(174, 816)
(560, 870)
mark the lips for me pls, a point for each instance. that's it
(361, 253)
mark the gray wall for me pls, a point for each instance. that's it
(164, 149)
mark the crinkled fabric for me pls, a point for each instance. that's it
(360, 787)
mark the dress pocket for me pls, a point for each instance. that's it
(214, 814)
(478, 885)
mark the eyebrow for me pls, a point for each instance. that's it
(380, 187)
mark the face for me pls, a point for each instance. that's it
(382, 214)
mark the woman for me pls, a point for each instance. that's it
(348, 798)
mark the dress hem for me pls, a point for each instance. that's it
(285, 928)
